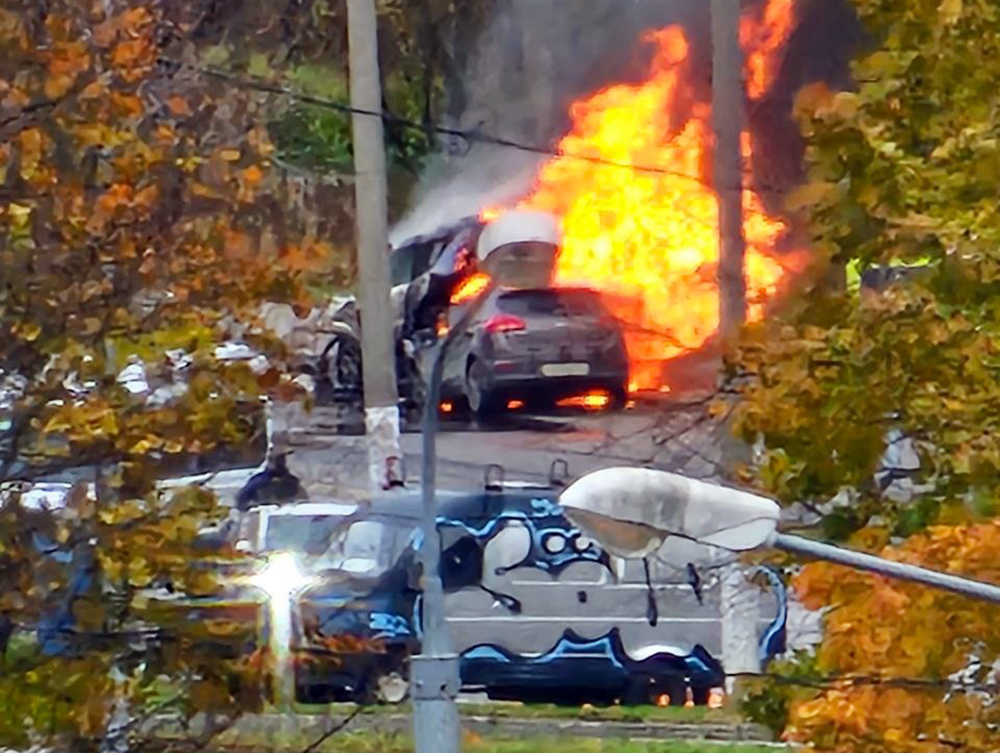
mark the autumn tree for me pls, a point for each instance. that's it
(424, 52)
(904, 170)
(139, 226)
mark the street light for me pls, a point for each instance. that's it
(632, 512)
(434, 672)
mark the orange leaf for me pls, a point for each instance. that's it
(253, 175)
(237, 245)
(200, 189)
(128, 104)
(104, 34)
(146, 197)
(179, 106)
(165, 133)
(134, 19)
(94, 90)
(116, 196)
(269, 378)
(56, 86)
(129, 53)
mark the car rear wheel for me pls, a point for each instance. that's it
(639, 692)
(700, 694)
(619, 397)
(347, 364)
(482, 402)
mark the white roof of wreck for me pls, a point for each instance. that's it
(518, 226)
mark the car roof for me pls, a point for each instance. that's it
(510, 294)
(557, 290)
(408, 504)
(333, 509)
(471, 505)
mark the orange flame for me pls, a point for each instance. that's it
(648, 238)
(470, 288)
(763, 35)
(596, 400)
(716, 698)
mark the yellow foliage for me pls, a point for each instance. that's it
(891, 630)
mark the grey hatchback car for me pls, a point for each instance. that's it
(538, 348)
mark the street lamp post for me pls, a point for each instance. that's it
(631, 512)
(434, 673)
(890, 568)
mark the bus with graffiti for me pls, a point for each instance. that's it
(537, 611)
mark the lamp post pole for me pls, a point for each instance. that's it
(434, 673)
(889, 568)
(632, 512)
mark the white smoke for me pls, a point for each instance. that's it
(525, 68)
(464, 186)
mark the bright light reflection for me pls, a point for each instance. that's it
(281, 578)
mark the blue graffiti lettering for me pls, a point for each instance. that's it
(773, 642)
(486, 653)
(389, 625)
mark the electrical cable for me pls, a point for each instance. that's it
(476, 136)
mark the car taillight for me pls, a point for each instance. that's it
(504, 323)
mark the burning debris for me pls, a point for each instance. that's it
(647, 234)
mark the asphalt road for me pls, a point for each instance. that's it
(672, 434)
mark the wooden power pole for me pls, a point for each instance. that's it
(377, 336)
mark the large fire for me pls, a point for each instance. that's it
(648, 238)
(763, 35)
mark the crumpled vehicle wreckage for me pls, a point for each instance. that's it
(433, 276)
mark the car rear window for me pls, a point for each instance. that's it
(551, 303)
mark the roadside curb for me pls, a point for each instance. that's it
(278, 733)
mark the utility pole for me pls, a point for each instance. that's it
(740, 604)
(434, 672)
(377, 337)
(727, 122)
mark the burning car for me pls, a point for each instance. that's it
(532, 344)
(540, 347)
(555, 346)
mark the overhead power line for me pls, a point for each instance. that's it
(472, 136)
